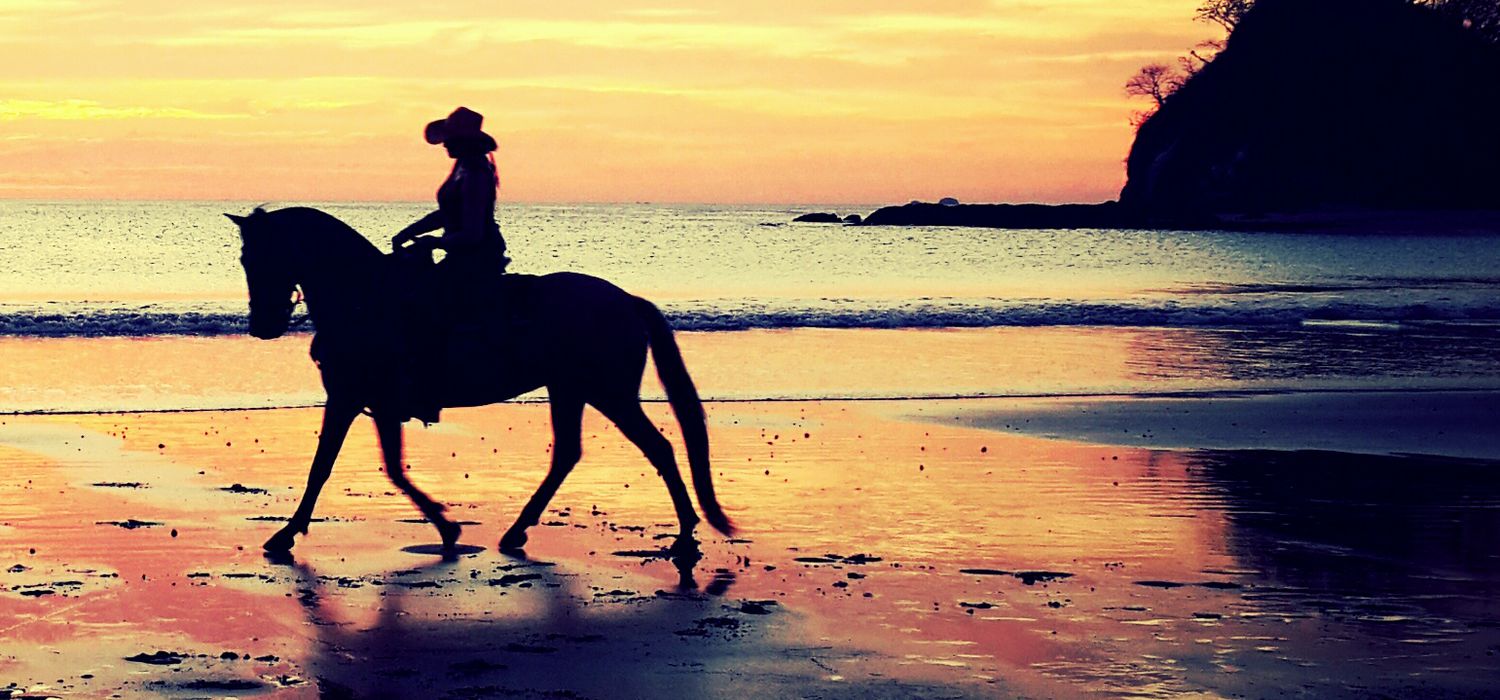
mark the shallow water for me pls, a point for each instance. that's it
(177, 372)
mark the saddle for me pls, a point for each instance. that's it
(455, 329)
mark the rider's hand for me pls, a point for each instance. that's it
(399, 239)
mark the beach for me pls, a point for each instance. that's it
(962, 463)
(1175, 378)
(1082, 545)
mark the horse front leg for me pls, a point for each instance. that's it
(338, 415)
(391, 448)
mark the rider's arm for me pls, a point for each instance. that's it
(431, 222)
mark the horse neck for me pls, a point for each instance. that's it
(337, 277)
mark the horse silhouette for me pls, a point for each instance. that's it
(584, 339)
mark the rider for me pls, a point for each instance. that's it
(466, 200)
(475, 250)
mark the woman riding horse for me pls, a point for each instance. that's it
(586, 343)
(466, 200)
(471, 238)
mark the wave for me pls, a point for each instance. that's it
(1080, 393)
(116, 320)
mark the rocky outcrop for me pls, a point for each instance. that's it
(819, 218)
(1354, 104)
(1105, 215)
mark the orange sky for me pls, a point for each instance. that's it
(865, 101)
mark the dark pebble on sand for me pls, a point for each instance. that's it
(417, 584)
(129, 524)
(158, 658)
(241, 488)
(756, 607)
(512, 579)
(1160, 584)
(1030, 577)
(985, 572)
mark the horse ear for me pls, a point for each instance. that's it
(238, 220)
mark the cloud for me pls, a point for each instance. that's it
(67, 110)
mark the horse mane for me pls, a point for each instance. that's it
(318, 230)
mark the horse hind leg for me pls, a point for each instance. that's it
(567, 449)
(632, 421)
(389, 430)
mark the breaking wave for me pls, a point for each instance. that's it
(85, 319)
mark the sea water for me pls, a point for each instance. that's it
(1383, 309)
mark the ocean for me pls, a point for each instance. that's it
(1223, 310)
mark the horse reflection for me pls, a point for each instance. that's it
(541, 632)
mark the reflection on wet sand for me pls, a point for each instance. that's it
(1402, 549)
(554, 635)
(880, 556)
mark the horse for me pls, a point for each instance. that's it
(583, 339)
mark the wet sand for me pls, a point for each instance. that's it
(887, 549)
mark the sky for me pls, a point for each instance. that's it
(836, 101)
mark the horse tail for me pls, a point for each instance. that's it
(689, 410)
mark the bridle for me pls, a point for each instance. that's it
(297, 299)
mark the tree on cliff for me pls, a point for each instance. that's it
(1225, 13)
(1154, 80)
(1481, 16)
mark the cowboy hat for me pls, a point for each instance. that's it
(463, 124)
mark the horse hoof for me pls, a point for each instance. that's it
(513, 541)
(449, 532)
(280, 543)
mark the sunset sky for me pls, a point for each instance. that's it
(866, 101)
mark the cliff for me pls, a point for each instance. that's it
(1319, 104)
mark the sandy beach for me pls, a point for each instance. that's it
(1003, 547)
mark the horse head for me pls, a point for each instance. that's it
(270, 272)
